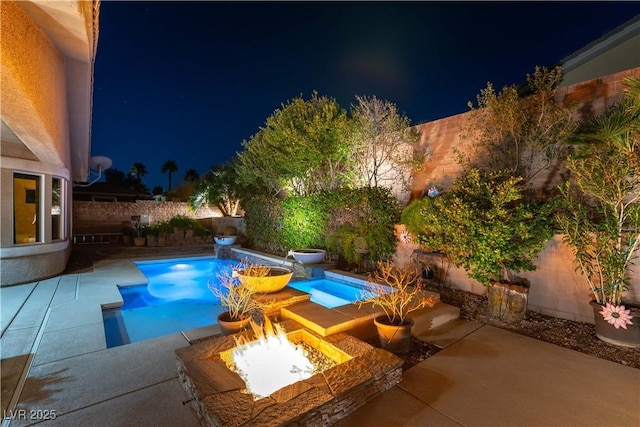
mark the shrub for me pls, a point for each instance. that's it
(484, 225)
(182, 222)
(365, 215)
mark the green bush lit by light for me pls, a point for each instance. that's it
(356, 218)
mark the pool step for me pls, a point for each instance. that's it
(328, 297)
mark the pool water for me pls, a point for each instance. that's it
(177, 298)
(329, 293)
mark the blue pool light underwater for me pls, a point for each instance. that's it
(177, 298)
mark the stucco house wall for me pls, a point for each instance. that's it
(46, 68)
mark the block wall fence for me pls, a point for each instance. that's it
(112, 217)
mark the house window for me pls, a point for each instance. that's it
(57, 207)
(26, 208)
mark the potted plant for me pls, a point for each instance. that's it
(138, 232)
(601, 219)
(164, 232)
(180, 224)
(484, 225)
(398, 292)
(237, 300)
(152, 233)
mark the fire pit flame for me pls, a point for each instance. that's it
(270, 362)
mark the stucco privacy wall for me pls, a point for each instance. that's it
(556, 288)
(111, 217)
(440, 137)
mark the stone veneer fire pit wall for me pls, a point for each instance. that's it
(218, 397)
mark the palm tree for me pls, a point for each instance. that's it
(138, 170)
(171, 167)
(191, 176)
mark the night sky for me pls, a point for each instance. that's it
(189, 81)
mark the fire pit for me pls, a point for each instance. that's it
(350, 373)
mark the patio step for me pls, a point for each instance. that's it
(431, 318)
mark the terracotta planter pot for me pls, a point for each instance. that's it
(606, 332)
(393, 338)
(229, 326)
(508, 301)
(139, 241)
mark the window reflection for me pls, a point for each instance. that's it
(26, 208)
(57, 231)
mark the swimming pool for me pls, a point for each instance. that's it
(177, 298)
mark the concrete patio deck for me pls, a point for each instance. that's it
(55, 363)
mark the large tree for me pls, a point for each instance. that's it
(170, 167)
(521, 130)
(218, 187)
(383, 141)
(302, 148)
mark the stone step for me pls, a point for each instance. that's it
(450, 332)
(431, 318)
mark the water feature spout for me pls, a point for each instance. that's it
(289, 254)
(296, 266)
